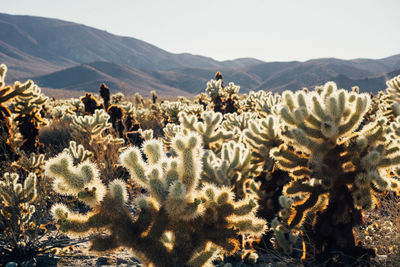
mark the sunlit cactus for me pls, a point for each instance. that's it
(393, 89)
(170, 110)
(178, 224)
(29, 112)
(230, 167)
(262, 135)
(8, 93)
(154, 96)
(16, 211)
(117, 98)
(337, 168)
(284, 237)
(12, 193)
(209, 128)
(81, 181)
(170, 131)
(130, 121)
(223, 98)
(77, 106)
(139, 100)
(389, 103)
(32, 163)
(78, 152)
(240, 121)
(92, 129)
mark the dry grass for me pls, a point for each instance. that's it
(382, 231)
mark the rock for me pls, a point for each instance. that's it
(102, 261)
(382, 257)
(12, 264)
(121, 261)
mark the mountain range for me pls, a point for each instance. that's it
(71, 57)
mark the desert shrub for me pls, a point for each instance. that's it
(56, 136)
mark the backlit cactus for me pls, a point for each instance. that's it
(209, 128)
(337, 168)
(8, 93)
(224, 98)
(230, 167)
(29, 117)
(178, 224)
(16, 211)
(284, 237)
(92, 128)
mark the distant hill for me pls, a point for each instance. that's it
(372, 84)
(88, 77)
(68, 56)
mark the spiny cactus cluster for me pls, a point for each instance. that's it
(7, 93)
(224, 98)
(337, 166)
(16, 211)
(178, 223)
(29, 113)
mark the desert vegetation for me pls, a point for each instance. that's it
(304, 178)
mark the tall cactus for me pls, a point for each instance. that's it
(178, 224)
(7, 93)
(336, 165)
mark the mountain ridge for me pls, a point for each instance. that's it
(66, 55)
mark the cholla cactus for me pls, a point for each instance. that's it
(105, 94)
(117, 98)
(262, 135)
(224, 99)
(92, 128)
(209, 128)
(13, 193)
(77, 106)
(170, 131)
(240, 121)
(81, 181)
(267, 104)
(262, 102)
(177, 224)
(130, 121)
(16, 211)
(393, 89)
(34, 163)
(389, 103)
(229, 168)
(139, 100)
(78, 152)
(285, 237)
(28, 118)
(170, 111)
(8, 93)
(90, 103)
(62, 112)
(154, 96)
(336, 167)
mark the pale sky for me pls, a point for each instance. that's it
(270, 30)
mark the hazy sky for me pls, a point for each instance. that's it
(270, 30)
